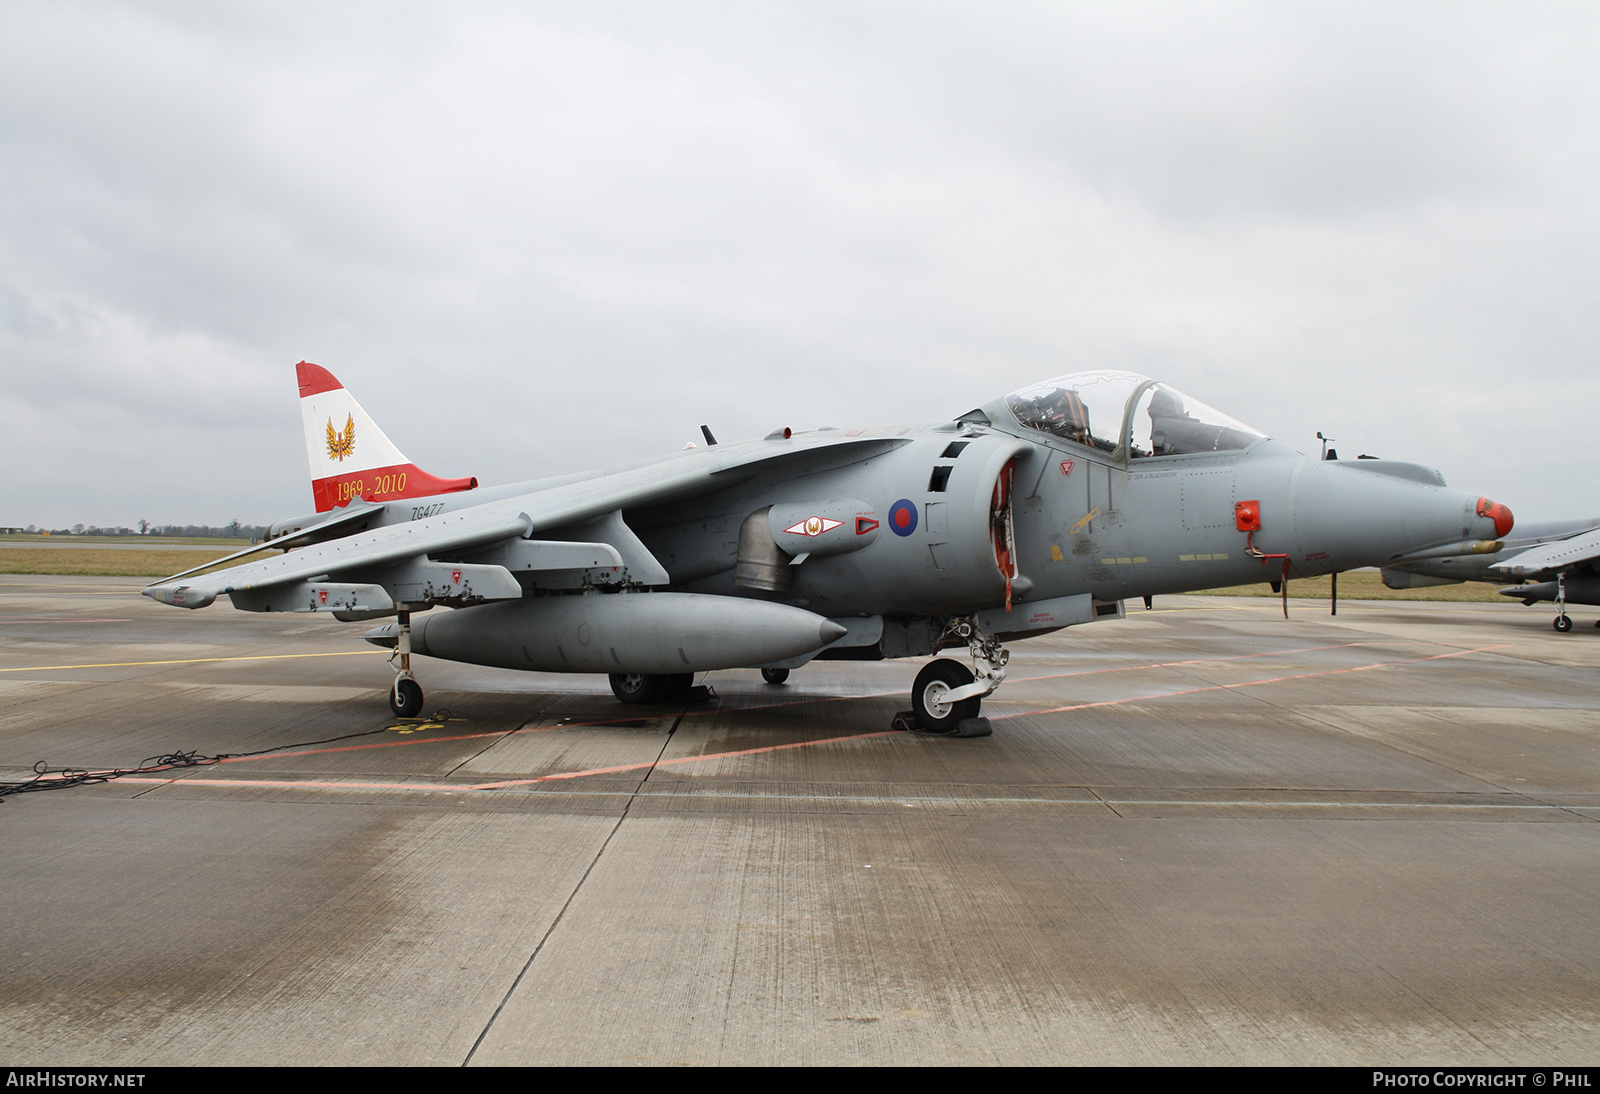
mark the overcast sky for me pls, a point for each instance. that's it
(535, 238)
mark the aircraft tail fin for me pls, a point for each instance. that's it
(350, 456)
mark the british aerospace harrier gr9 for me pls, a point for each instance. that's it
(1044, 509)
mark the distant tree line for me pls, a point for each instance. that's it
(231, 530)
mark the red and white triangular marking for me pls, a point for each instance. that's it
(814, 526)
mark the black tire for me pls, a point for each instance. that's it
(774, 676)
(1563, 623)
(640, 688)
(405, 698)
(936, 679)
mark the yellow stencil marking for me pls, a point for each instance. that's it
(1083, 521)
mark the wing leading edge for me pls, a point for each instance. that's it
(593, 504)
(1564, 554)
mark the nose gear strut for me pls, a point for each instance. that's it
(988, 660)
(946, 696)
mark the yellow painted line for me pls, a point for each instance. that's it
(197, 660)
(1084, 521)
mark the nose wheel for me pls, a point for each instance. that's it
(931, 702)
(946, 697)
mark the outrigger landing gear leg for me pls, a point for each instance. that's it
(947, 696)
(405, 698)
(1563, 621)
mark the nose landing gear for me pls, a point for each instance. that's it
(946, 697)
(931, 703)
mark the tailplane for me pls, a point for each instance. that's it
(349, 455)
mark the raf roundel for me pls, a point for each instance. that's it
(902, 517)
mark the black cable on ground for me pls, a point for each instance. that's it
(59, 778)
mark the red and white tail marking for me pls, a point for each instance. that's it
(349, 455)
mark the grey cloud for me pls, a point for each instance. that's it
(537, 238)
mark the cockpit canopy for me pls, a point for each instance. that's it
(1107, 410)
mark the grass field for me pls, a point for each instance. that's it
(109, 562)
(1367, 585)
(132, 542)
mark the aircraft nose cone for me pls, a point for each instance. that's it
(1503, 520)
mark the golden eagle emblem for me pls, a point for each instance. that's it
(343, 444)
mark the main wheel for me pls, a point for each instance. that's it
(1563, 623)
(935, 713)
(635, 687)
(405, 698)
(774, 676)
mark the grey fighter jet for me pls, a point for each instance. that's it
(1044, 509)
(1560, 556)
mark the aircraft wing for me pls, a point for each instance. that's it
(1564, 554)
(370, 557)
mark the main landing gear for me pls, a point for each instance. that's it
(405, 697)
(644, 688)
(946, 697)
(638, 687)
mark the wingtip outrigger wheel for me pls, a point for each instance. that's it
(1563, 622)
(405, 697)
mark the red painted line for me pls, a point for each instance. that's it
(684, 760)
(289, 784)
(1245, 684)
(1201, 661)
(376, 744)
(419, 741)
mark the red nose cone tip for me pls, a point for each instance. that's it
(1503, 520)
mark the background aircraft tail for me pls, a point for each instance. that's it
(349, 455)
